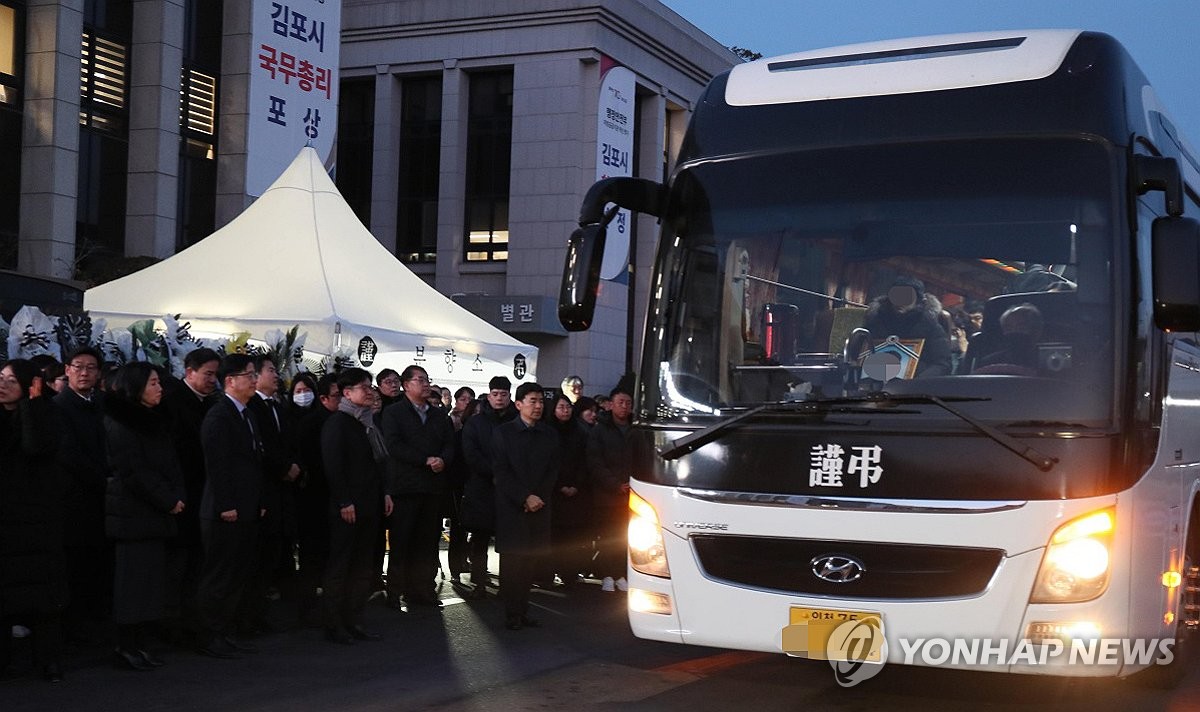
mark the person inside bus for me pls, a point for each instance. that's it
(1021, 327)
(907, 312)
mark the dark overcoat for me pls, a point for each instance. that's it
(411, 442)
(33, 576)
(524, 462)
(479, 494)
(147, 479)
(84, 462)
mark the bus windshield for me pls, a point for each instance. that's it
(978, 269)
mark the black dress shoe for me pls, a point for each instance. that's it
(240, 645)
(339, 635)
(130, 660)
(52, 673)
(361, 633)
(220, 648)
(151, 660)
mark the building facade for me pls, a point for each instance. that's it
(467, 136)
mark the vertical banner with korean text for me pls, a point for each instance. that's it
(294, 50)
(614, 157)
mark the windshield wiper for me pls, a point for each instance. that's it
(688, 443)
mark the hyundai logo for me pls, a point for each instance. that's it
(837, 568)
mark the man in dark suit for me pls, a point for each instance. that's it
(280, 472)
(186, 403)
(83, 457)
(420, 443)
(354, 459)
(231, 506)
(525, 462)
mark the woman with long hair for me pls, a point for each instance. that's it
(570, 525)
(145, 496)
(33, 576)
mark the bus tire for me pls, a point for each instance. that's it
(1187, 618)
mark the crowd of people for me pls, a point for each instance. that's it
(208, 510)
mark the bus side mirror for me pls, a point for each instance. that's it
(1175, 248)
(581, 277)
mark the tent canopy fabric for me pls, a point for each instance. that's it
(300, 256)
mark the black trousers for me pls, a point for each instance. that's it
(613, 524)
(516, 576)
(478, 551)
(349, 570)
(458, 552)
(230, 550)
(414, 530)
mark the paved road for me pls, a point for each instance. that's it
(584, 657)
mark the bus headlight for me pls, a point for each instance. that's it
(1077, 561)
(647, 553)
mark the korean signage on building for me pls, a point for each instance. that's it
(614, 157)
(294, 50)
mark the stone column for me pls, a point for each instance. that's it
(50, 138)
(152, 196)
(234, 110)
(385, 169)
(452, 180)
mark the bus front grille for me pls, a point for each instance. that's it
(846, 569)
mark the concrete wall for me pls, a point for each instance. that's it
(554, 49)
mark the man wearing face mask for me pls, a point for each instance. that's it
(907, 312)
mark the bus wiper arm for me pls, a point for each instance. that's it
(688, 443)
(1041, 461)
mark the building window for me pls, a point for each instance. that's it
(199, 99)
(198, 103)
(356, 144)
(489, 151)
(420, 169)
(12, 53)
(103, 81)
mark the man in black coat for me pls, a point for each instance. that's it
(186, 403)
(420, 443)
(525, 462)
(231, 506)
(279, 472)
(84, 460)
(609, 459)
(479, 500)
(354, 460)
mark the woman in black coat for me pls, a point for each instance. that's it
(571, 524)
(33, 580)
(145, 495)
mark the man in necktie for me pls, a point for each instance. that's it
(277, 530)
(230, 508)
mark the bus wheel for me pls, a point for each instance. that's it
(1187, 621)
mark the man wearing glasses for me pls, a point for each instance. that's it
(83, 457)
(230, 508)
(420, 443)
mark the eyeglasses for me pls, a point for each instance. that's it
(252, 375)
(85, 367)
(419, 379)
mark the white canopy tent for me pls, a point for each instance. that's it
(300, 256)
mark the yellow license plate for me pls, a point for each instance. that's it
(809, 631)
